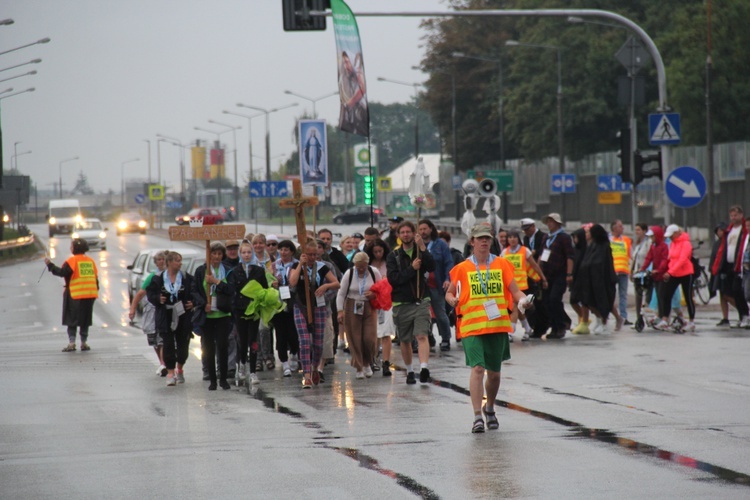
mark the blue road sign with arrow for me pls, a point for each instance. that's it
(685, 187)
(140, 198)
(270, 189)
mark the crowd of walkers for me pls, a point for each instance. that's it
(262, 299)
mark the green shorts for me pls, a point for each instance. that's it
(412, 320)
(488, 351)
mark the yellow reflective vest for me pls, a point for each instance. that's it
(83, 282)
(520, 265)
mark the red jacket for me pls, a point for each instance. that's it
(721, 254)
(658, 255)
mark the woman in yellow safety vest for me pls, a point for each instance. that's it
(81, 290)
(524, 266)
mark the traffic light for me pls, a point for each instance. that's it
(297, 15)
(641, 160)
(369, 189)
(624, 155)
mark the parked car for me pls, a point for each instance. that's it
(131, 222)
(210, 216)
(143, 265)
(92, 231)
(358, 214)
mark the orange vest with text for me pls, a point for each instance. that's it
(621, 253)
(83, 283)
(520, 266)
(470, 312)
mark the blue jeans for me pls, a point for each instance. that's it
(622, 294)
(437, 299)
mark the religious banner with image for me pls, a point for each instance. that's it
(313, 152)
(354, 115)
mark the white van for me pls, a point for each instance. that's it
(62, 216)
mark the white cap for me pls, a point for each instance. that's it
(649, 232)
(527, 222)
(272, 237)
(671, 229)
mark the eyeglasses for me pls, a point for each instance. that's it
(272, 244)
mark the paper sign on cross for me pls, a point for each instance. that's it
(207, 233)
(298, 202)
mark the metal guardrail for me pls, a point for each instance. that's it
(9, 246)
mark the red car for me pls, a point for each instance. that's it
(210, 216)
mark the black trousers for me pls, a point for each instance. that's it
(287, 340)
(667, 290)
(247, 330)
(177, 343)
(553, 302)
(215, 345)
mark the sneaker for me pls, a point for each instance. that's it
(618, 324)
(745, 323)
(307, 383)
(342, 344)
(206, 376)
(723, 322)
(171, 381)
(581, 329)
(254, 379)
(627, 323)
(293, 362)
(386, 368)
(375, 366)
(315, 375)
(510, 338)
(525, 337)
(368, 372)
(212, 386)
(690, 327)
(410, 378)
(180, 376)
(424, 376)
(161, 371)
(321, 377)
(599, 329)
(360, 375)
(224, 385)
(662, 325)
(287, 372)
(445, 346)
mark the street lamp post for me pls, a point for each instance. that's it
(122, 181)
(249, 150)
(14, 159)
(236, 190)
(43, 40)
(560, 139)
(268, 112)
(416, 109)
(33, 61)
(454, 155)
(18, 76)
(312, 100)
(176, 142)
(500, 113)
(60, 172)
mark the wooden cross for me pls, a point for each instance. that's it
(298, 203)
(207, 233)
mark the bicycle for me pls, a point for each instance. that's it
(700, 279)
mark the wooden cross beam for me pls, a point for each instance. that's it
(207, 233)
(298, 203)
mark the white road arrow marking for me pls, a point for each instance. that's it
(689, 190)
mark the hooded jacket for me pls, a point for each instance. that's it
(680, 256)
(658, 255)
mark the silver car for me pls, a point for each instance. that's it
(92, 231)
(143, 265)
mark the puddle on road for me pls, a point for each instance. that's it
(365, 461)
(605, 436)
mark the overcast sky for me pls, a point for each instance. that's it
(118, 72)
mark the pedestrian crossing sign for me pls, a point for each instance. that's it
(664, 129)
(155, 192)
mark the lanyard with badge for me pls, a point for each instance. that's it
(359, 305)
(490, 305)
(284, 291)
(550, 240)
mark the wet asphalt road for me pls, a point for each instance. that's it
(624, 415)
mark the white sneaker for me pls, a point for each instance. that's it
(690, 327)
(360, 375)
(293, 362)
(254, 379)
(745, 322)
(287, 370)
(662, 325)
(525, 337)
(368, 371)
(162, 371)
(599, 329)
(510, 338)
(342, 344)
